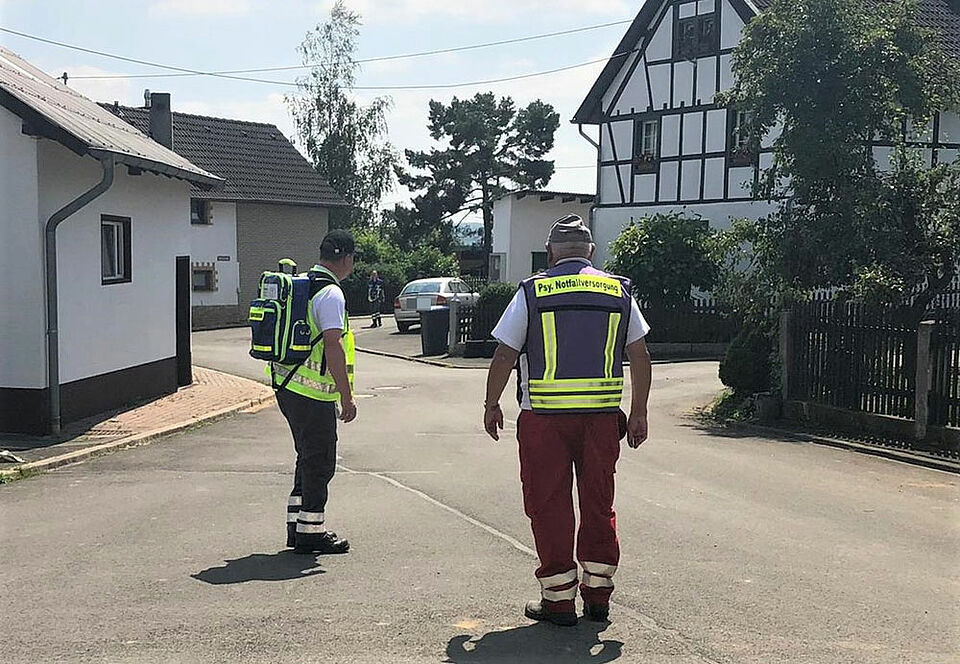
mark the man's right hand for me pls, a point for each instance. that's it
(493, 421)
(348, 410)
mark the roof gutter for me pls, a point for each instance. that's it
(50, 260)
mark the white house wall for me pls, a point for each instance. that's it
(950, 127)
(731, 26)
(608, 222)
(105, 328)
(208, 244)
(521, 227)
(22, 319)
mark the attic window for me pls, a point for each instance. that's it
(201, 212)
(696, 36)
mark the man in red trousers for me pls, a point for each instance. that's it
(566, 332)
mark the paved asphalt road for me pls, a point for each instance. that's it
(735, 548)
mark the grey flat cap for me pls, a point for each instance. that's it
(569, 229)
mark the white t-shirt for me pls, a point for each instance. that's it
(329, 308)
(512, 331)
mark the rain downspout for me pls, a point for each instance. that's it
(50, 260)
(597, 147)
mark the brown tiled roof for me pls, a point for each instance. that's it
(255, 159)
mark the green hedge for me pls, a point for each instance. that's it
(491, 304)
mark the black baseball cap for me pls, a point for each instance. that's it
(337, 243)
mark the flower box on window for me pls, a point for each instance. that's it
(743, 156)
(645, 163)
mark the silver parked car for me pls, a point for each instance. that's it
(428, 293)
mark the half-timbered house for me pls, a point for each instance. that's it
(665, 144)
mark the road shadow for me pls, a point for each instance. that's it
(740, 431)
(536, 643)
(280, 566)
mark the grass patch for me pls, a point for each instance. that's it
(18, 474)
(728, 407)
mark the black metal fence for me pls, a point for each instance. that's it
(945, 363)
(476, 323)
(863, 358)
(696, 322)
(854, 357)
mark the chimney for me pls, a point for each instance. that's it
(161, 119)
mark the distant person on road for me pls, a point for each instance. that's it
(311, 398)
(375, 298)
(567, 330)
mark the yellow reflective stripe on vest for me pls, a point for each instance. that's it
(578, 283)
(281, 372)
(609, 352)
(612, 396)
(576, 393)
(573, 404)
(574, 384)
(549, 321)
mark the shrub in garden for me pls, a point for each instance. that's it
(746, 368)
(491, 304)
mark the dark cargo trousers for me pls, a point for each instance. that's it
(314, 427)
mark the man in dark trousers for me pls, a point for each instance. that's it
(375, 298)
(320, 389)
(567, 331)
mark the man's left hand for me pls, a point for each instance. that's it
(636, 429)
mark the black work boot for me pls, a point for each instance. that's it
(291, 535)
(536, 611)
(596, 612)
(326, 542)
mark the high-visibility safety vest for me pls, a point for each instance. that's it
(312, 378)
(576, 332)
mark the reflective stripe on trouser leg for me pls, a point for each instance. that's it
(293, 508)
(599, 569)
(597, 581)
(310, 522)
(559, 587)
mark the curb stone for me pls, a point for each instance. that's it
(134, 440)
(892, 454)
(420, 360)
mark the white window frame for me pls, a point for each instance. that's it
(649, 139)
(116, 248)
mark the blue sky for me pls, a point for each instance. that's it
(237, 34)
